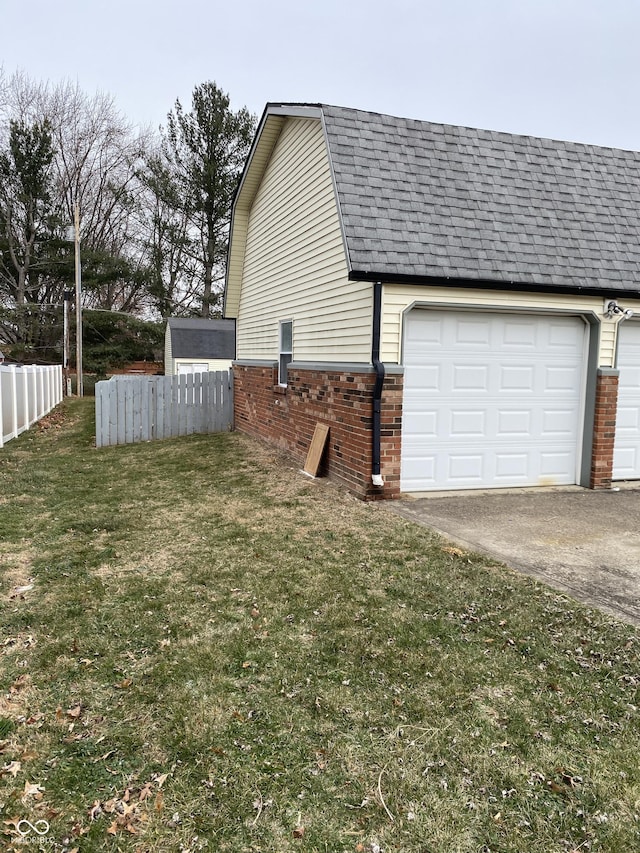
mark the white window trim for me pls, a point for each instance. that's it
(284, 352)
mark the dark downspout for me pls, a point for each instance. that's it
(378, 366)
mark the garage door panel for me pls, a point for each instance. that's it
(469, 377)
(558, 422)
(466, 423)
(518, 378)
(626, 456)
(465, 467)
(627, 459)
(511, 423)
(471, 332)
(425, 378)
(492, 420)
(628, 419)
(425, 424)
(563, 334)
(562, 378)
(518, 334)
(511, 465)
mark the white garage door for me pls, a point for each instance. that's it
(626, 455)
(491, 400)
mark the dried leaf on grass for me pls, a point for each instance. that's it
(11, 769)
(31, 790)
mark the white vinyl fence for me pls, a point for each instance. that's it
(142, 408)
(27, 393)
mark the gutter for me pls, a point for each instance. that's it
(510, 285)
(376, 477)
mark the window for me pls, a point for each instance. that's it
(286, 349)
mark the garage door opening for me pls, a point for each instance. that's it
(492, 400)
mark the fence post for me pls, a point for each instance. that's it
(14, 402)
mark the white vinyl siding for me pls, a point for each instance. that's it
(397, 298)
(294, 262)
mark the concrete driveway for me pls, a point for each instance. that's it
(584, 543)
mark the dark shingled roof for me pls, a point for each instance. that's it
(198, 338)
(422, 200)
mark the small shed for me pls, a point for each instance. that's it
(195, 345)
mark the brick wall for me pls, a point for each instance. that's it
(604, 429)
(287, 417)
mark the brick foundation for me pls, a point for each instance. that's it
(287, 418)
(604, 429)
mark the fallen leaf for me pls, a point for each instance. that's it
(32, 791)
(145, 792)
(159, 803)
(161, 779)
(74, 713)
(13, 768)
(95, 811)
(20, 683)
(28, 755)
(298, 832)
(126, 682)
(113, 829)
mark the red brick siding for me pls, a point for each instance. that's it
(604, 431)
(287, 418)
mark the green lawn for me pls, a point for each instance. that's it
(201, 649)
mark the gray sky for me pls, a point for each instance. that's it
(566, 69)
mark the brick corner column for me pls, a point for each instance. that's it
(604, 428)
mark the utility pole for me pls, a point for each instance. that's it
(76, 228)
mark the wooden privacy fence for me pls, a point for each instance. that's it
(27, 393)
(143, 408)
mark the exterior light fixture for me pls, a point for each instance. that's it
(615, 310)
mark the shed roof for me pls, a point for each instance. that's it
(420, 201)
(199, 338)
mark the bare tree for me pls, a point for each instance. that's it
(94, 157)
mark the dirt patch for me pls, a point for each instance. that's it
(15, 570)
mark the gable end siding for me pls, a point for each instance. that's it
(295, 265)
